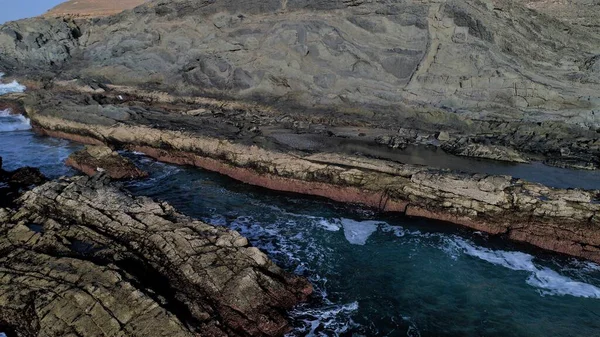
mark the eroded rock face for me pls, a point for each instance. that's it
(460, 147)
(93, 159)
(81, 257)
(38, 44)
(524, 81)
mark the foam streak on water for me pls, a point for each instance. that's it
(546, 280)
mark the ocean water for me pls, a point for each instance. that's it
(388, 275)
(19, 147)
(374, 274)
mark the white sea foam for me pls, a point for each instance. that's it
(511, 260)
(547, 280)
(10, 122)
(332, 226)
(358, 232)
(13, 86)
(333, 318)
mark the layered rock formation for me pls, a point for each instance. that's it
(260, 90)
(493, 74)
(80, 257)
(561, 220)
(483, 58)
(93, 159)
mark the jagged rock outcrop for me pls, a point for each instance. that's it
(93, 159)
(460, 147)
(260, 90)
(82, 257)
(523, 81)
(38, 44)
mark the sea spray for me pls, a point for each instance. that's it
(10, 122)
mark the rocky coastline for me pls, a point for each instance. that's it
(305, 96)
(80, 256)
(564, 221)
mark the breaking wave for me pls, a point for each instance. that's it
(13, 86)
(546, 280)
(10, 122)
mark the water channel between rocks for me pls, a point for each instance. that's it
(375, 274)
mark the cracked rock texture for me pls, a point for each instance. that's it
(80, 257)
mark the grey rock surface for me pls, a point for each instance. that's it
(493, 59)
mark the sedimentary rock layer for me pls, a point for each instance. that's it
(560, 220)
(80, 257)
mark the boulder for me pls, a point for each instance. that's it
(93, 159)
(12, 183)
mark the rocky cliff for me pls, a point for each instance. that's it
(267, 91)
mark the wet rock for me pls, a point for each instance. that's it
(395, 142)
(94, 159)
(13, 183)
(464, 148)
(82, 257)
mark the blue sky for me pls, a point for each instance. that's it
(18, 9)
